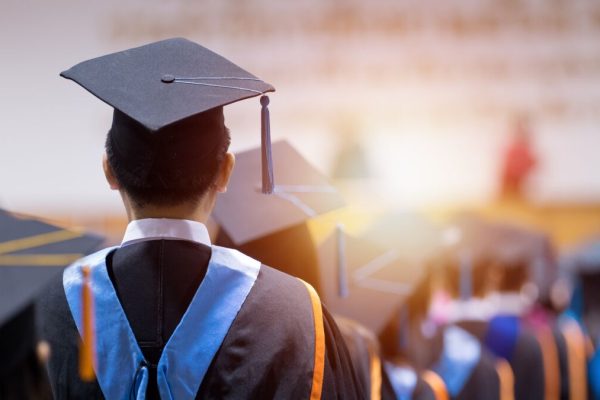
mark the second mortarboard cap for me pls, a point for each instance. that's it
(32, 253)
(301, 193)
(382, 267)
(378, 279)
(169, 85)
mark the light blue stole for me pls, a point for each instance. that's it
(403, 380)
(120, 366)
(460, 354)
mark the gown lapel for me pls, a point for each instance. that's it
(120, 365)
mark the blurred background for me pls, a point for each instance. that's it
(433, 106)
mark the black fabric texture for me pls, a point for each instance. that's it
(528, 367)
(526, 362)
(264, 354)
(484, 382)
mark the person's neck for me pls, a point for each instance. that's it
(194, 212)
(170, 214)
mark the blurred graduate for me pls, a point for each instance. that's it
(32, 253)
(439, 349)
(489, 272)
(175, 316)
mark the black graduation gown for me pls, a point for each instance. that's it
(155, 282)
(526, 362)
(424, 353)
(568, 362)
(483, 383)
(421, 391)
(563, 362)
(364, 352)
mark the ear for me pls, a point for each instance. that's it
(109, 174)
(224, 173)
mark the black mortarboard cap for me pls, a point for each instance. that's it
(301, 193)
(169, 84)
(32, 253)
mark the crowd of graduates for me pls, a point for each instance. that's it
(404, 308)
(464, 309)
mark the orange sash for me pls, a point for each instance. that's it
(576, 359)
(436, 384)
(375, 376)
(550, 360)
(507, 379)
(318, 370)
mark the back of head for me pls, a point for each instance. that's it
(172, 166)
(513, 273)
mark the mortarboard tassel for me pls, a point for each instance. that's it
(466, 286)
(343, 290)
(87, 347)
(268, 182)
(403, 330)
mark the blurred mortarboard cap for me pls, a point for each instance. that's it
(378, 279)
(301, 193)
(32, 253)
(172, 83)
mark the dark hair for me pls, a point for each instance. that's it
(480, 270)
(514, 273)
(173, 166)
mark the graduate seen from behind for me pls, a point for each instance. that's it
(176, 317)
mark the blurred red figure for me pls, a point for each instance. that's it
(519, 160)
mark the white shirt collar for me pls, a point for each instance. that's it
(474, 309)
(509, 303)
(164, 228)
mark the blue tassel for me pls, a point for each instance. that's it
(343, 290)
(268, 182)
(466, 284)
(403, 330)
